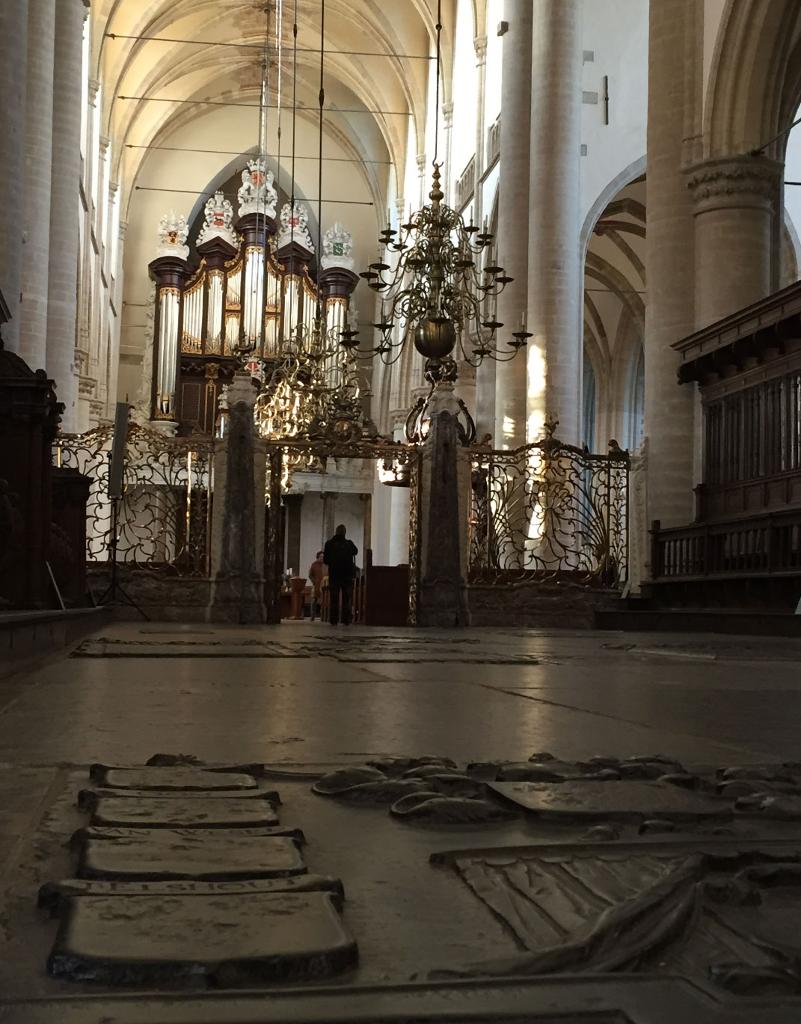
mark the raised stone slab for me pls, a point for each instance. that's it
(612, 801)
(52, 894)
(183, 812)
(227, 940)
(171, 779)
(203, 859)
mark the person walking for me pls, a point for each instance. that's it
(339, 555)
(317, 573)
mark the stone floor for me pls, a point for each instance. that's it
(306, 698)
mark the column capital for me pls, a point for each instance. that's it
(421, 163)
(94, 89)
(735, 181)
(447, 114)
(103, 144)
(480, 46)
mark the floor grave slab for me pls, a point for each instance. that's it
(204, 859)
(87, 798)
(612, 801)
(179, 778)
(110, 834)
(183, 812)
(725, 919)
(228, 940)
(53, 894)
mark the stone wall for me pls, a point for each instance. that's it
(538, 605)
(162, 598)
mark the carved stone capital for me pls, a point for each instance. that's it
(735, 182)
(421, 163)
(480, 45)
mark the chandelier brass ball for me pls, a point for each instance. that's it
(435, 338)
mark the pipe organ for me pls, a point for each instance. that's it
(250, 285)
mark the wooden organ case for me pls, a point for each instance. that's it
(253, 283)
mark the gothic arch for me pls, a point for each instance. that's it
(753, 88)
(617, 184)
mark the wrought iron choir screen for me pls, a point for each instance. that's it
(165, 513)
(549, 510)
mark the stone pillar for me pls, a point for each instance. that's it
(513, 219)
(13, 53)
(735, 201)
(555, 256)
(64, 202)
(398, 509)
(669, 271)
(237, 531)
(422, 179)
(38, 163)
(447, 131)
(485, 373)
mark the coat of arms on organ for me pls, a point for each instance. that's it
(230, 289)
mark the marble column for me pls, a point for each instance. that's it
(513, 219)
(63, 266)
(38, 164)
(669, 270)
(293, 504)
(445, 487)
(13, 53)
(237, 529)
(554, 256)
(735, 200)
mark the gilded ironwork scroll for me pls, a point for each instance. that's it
(165, 515)
(549, 509)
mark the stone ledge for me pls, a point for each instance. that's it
(26, 636)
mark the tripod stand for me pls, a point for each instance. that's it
(115, 593)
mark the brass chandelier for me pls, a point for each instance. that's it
(305, 378)
(439, 280)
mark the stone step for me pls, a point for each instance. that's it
(707, 620)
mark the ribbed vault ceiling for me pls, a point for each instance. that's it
(215, 57)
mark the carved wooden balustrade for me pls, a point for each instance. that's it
(748, 512)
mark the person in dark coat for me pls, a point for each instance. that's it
(339, 555)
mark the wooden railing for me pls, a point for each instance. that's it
(768, 544)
